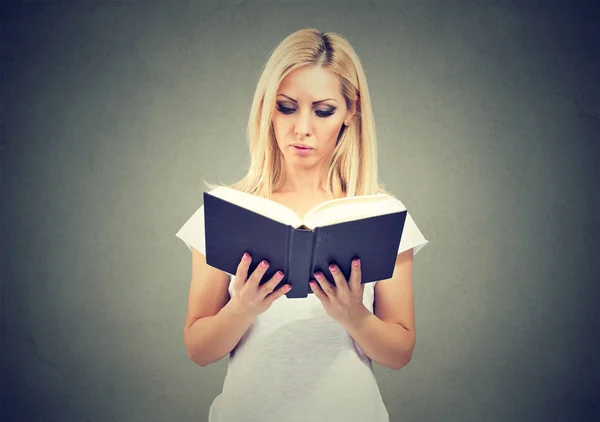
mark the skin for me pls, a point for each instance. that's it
(388, 334)
(215, 323)
(316, 125)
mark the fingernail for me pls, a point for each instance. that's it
(332, 267)
(246, 256)
(279, 274)
(356, 262)
(263, 264)
(318, 275)
(287, 288)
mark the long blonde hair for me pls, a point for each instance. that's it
(353, 166)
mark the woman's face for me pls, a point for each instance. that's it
(310, 111)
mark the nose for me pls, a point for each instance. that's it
(303, 126)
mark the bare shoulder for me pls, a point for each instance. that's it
(208, 289)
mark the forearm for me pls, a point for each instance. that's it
(209, 339)
(386, 343)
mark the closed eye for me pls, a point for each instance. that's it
(285, 110)
(319, 113)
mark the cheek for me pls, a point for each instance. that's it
(328, 132)
(279, 129)
(281, 122)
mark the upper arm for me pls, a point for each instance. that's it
(394, 298)
(208, 289)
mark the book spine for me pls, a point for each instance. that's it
(300, 258)
(288, 253)
(313, 257)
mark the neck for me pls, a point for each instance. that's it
(303, 182)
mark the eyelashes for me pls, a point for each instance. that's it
(320, 113)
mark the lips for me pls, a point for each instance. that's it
(302, 147)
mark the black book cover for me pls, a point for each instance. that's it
(231, 230)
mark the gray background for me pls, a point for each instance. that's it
(488, 126)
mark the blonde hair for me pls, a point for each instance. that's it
(353, 166)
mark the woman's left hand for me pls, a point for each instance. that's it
(343, 301)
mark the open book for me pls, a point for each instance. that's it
(336, 231)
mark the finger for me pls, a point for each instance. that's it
(338, 277)
(258, 273)
(355, 275)
(319, 293)
(324, 284)
(270, 285)
(272, 297)
(242, 271)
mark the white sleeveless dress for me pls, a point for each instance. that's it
(295, 363)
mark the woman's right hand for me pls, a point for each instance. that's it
(252, 298)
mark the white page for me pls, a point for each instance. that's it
(258, 204)
(353, 208)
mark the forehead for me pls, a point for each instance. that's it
(311, 82)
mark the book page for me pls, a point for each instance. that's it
(340, 201)
(353, 208)
(263, 206)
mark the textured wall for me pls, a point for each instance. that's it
(488, 125)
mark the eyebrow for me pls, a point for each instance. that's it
(314, 102)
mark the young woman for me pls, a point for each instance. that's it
(312, 138)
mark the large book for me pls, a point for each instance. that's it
(368, 227)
